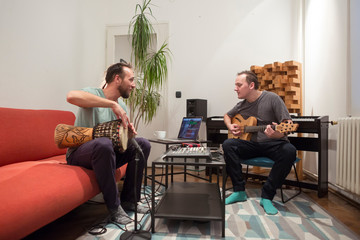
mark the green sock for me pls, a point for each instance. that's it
(236, 197)
(268, 206)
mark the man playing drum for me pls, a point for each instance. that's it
(102, 105)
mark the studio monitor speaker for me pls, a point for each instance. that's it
(196, 108)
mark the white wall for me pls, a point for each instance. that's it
(212, 41)
(326, 74)
(354, 57)
(50, 47)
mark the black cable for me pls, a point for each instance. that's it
(100, 228)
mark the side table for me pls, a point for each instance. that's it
(167, 144)
(190, 200)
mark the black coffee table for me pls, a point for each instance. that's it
(200, 201)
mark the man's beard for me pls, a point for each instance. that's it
(124, 93)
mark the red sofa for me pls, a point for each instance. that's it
(36, 185)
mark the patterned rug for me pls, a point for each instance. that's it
(300, 218)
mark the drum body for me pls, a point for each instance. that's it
(71, 136)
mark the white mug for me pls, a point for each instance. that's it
(160, 134)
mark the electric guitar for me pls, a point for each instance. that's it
(248, 126)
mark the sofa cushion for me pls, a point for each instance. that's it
(25, 134)
(34, 193)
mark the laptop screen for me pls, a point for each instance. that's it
(190, 127)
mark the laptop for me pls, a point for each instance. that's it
(189, 130)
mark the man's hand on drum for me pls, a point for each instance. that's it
(132, 132)
(120, 113)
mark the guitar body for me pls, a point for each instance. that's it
(248, 126)
(239, 120)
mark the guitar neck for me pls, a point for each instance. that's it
(252, 129)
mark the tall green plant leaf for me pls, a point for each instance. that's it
(156, 70)
(150, 67)
(141, 35)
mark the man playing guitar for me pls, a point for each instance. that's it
(267, 109)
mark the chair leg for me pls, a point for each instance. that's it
(226, 178)
(247, 172)
(246, 177)
(296, 194)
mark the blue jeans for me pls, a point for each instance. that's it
(100, 156)
(281, 152)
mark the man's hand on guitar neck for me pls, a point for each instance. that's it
(271, 133)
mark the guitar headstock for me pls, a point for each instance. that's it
(286, 128)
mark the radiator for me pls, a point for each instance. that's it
(348, 154)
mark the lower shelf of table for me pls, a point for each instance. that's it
(191, 201)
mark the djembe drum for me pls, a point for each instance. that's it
(71, 136)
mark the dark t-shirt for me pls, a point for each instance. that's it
(268, 108)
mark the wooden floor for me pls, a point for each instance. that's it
(78, 221)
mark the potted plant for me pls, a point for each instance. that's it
(150, 68)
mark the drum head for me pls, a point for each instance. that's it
(123, 135)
